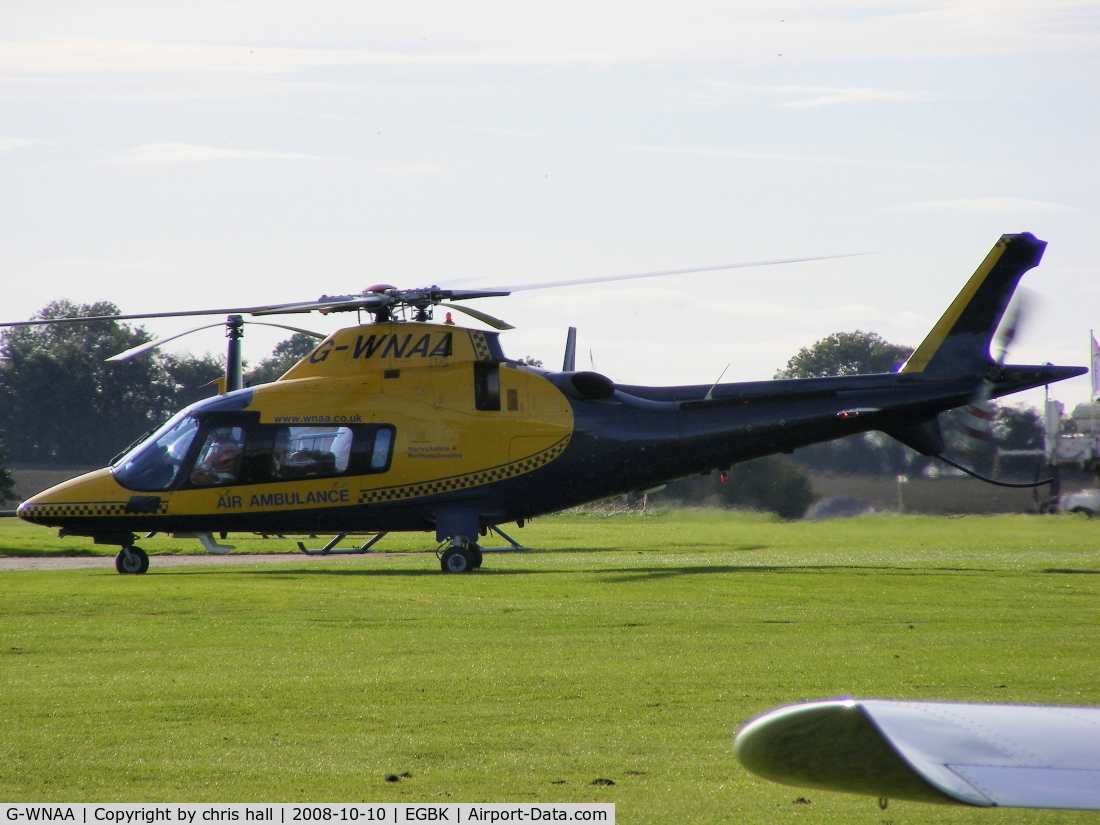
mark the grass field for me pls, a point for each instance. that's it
(626, 648)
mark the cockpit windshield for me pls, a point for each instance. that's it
(155, 463)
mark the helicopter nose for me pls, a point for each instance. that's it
(89, 496)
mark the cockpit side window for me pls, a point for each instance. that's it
(219, 460)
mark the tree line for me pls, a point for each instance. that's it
(63, 403)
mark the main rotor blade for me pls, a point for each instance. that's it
(143, 315)
(320, 336)
(379, 300)
(133, 352)
(322, 305)
(327, 304)
(467, 294)
(484, 317)
(637, 275)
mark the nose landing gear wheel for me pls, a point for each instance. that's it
(131, 560)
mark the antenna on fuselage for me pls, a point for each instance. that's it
(710, 392)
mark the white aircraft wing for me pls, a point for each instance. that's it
(983, 755)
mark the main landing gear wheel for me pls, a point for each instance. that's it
(131, 560)
(461, 559)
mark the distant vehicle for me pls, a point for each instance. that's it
(1082, 501)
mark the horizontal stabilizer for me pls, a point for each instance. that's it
(981, 755)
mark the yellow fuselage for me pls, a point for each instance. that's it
(461, 417)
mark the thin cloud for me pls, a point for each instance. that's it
(832, 96)
(719, 93)
(161, 153)
(411, 170)
(450, 35)
(742, 154)
(154, 154)
(91, 263)
(994, 206)
(12, 144)
(31, 58)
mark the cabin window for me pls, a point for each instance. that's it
(383, 449)
(304, 452)
(219, 460)
(487, 385)
(317, 452)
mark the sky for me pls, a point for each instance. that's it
(178, 156)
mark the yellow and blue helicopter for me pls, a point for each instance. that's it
(403, 424)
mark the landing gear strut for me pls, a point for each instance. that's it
(131, 560)
(463, 556)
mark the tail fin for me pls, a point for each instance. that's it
(959, 343)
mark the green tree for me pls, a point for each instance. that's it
(846, 353)
(976, 439)
(1018, 428)
(7, 481)
(285, 355)
(61, 402)
(773, 484)
(191, 379)
(852, 353)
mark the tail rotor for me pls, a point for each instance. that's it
(972, 431)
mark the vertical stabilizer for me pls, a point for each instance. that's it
(959, 343)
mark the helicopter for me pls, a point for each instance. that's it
(407, 424)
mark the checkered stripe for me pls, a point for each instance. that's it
(446, 485)
(481, 346)
(83, 508)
